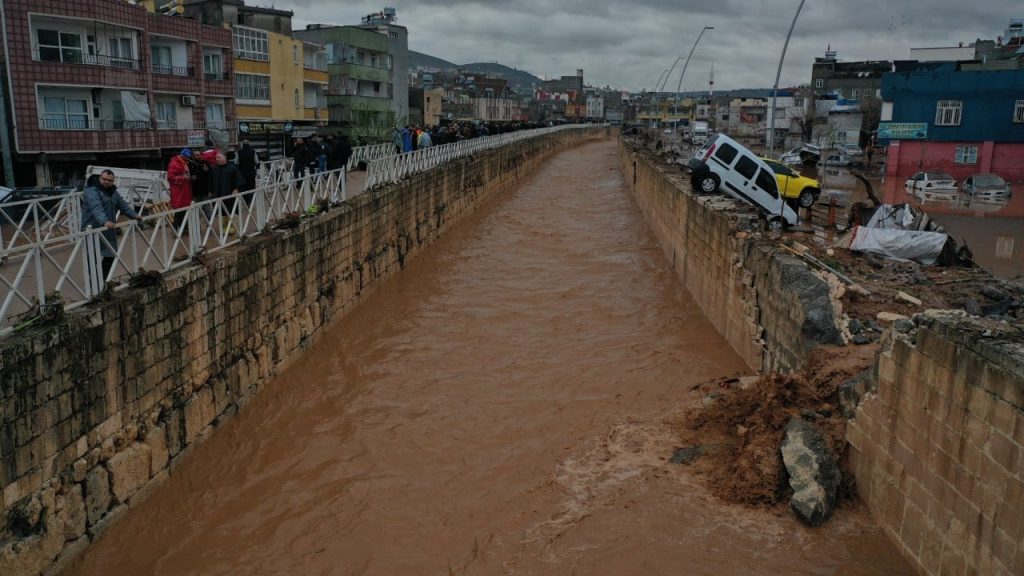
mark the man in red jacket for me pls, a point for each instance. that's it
(180, 181)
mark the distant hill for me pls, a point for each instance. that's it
(521, 81)
(419, 59)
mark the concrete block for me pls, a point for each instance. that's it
(70, 552)
(115, 514)
(129, 470)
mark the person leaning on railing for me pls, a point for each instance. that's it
(100, 204)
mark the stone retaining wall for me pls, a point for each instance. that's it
(98, 409)
(938, 448)
(771, 308)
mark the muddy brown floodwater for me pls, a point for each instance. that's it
(506, 405)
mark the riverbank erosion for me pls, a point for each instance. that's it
(931, 429)
(99, 408)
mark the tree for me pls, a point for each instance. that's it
(371, 125)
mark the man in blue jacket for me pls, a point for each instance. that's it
(100, 204)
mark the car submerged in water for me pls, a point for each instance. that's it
(932, 183)
(986, 186)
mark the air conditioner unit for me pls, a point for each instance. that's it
(188, 100)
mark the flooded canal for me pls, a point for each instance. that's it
(506, 405)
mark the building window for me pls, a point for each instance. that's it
(295, 54)
(57, 46)
(947, 113)
(161, 59)
(966, 155)
(251, 44)
(1004, 247)
(1018, 112)
(856, 93)
(212, 67)
(252, 87)
(214, 115)
(296, 98)
(819, 83)
(166, 116)
(122, 53)
(65, 113)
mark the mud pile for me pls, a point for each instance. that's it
(740, 426)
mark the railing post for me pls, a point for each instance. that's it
(194, 229)
(92, 264)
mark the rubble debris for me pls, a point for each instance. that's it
(749, 425)
(814, 476)
(890, 317)
(904, 297)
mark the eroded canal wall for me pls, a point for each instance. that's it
(767, 303)
(937, 442)
(98, 409)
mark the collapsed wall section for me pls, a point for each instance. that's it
(98, 409)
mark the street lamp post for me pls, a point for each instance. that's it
(775, 90)
(679, 86)
(654, 96)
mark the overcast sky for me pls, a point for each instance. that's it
(628, 45)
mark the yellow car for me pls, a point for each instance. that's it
(793, 186)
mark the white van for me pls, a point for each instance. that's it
(724, 164)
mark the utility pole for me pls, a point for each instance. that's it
(775, 90)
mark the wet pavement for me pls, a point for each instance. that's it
(505, 405)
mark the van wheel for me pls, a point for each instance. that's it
(709, 184)
(807, 198)
(776, 224)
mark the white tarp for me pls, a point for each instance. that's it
(896, 231)
(135, 105)
(923, 247)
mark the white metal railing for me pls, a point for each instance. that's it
(393, 168)
(274, 171)
(38, 220)
(68, 269)
(369, 153)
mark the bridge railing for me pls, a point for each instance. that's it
(368, 154)
(393, 168)
(68, 270)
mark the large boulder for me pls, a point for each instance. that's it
(813, 473)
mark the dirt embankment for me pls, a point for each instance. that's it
(740, 424)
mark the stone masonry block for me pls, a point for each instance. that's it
(97, 494)
(129, 470)
(156, 440)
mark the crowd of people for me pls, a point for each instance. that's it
(319, 154)
(198, 176)
(412, 137)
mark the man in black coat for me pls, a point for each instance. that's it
(248, 162)
(226, 179)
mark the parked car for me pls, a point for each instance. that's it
(932, 182)
(851, 150)
(840, 159)
(801, 189)
(724, 164)
(808, 154)
(986, 186)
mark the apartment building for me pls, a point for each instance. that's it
(280, 81)
(111, 83)
(361, 97)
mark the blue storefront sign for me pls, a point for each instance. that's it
(902, 130)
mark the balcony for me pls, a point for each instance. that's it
(360, 71)
(69, 56)
(165, 70)
(213, 76)
(72, 122)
